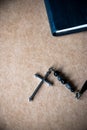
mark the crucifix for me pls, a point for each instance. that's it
(44, 79)
(60, 77)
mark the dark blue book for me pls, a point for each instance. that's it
(66, 16)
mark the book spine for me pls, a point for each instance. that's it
(50, 17)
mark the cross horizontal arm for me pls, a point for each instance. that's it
(46, 80)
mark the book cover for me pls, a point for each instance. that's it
(66, 16)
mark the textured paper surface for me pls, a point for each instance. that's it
(27, 47)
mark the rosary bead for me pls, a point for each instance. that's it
(59, 77)
(56, 73)
(63, 81)
(78, 94)
(69, 86)
(83, 89)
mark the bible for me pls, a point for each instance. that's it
(66, 16)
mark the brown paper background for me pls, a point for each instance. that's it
(27, 47)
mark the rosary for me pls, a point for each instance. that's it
(60, 77)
